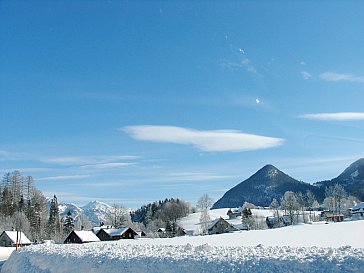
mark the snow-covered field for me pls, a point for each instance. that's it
(5, 252)
(334, 247)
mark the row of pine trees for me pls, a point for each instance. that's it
(24, 208)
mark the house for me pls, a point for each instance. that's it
(116, 234)
(233, 214)
(275, 222)
(332, 217)
(10, 238)
(219, 226)
(358, 210)
(81, 237)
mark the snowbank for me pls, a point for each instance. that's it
(334, 247)
(115, 257)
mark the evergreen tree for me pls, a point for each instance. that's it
(68, 225)
(247, 218)
(54, 221)
(168, 229)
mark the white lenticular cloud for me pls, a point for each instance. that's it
(336, 77)
(343, 116)
(209, 141)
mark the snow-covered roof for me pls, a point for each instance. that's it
(86, 236)
(358, 207)
(97, 229)
(214, 222)
(22, 239)
(115, 231)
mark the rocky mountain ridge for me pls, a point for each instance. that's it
(269, 182)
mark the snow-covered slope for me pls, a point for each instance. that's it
(191, 223)
(333, 247)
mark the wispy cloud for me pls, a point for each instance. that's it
(108, 165)
(343, 116)
(336, 77)
(87, 160)
(191, 176)
(209, 141)
(63, 177)
(306, 75)
(244, 64)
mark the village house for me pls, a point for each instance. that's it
(332, 217)
(116, 234)
(162, 233)
(219, 226)
(10, 238)
(276, 222)
(81, 237)
(233, 214)
(358, 211)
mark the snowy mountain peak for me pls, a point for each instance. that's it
(266, 184)
(96, 205)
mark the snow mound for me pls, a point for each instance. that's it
(116, 257)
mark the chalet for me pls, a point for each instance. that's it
(116, 234)
(332, 217)
(81, 237)
(275, 222)
(233, 214)
(161, 232)
(9, 238)
(358, 210)
(219, 226)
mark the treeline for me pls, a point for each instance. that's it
(162, 213)
(24, 208)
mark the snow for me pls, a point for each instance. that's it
(318, 247)
(192, 225)
(355, 174)
(86, 236)
(5, 252)
(115, 231)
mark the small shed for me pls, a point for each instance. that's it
(116, 234)
(219, 226)
(9, 238)
(81, 237)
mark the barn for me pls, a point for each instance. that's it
(116, 234)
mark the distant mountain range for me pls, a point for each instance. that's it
(95, 211)
(269, 182)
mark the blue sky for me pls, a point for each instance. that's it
(138, 101)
